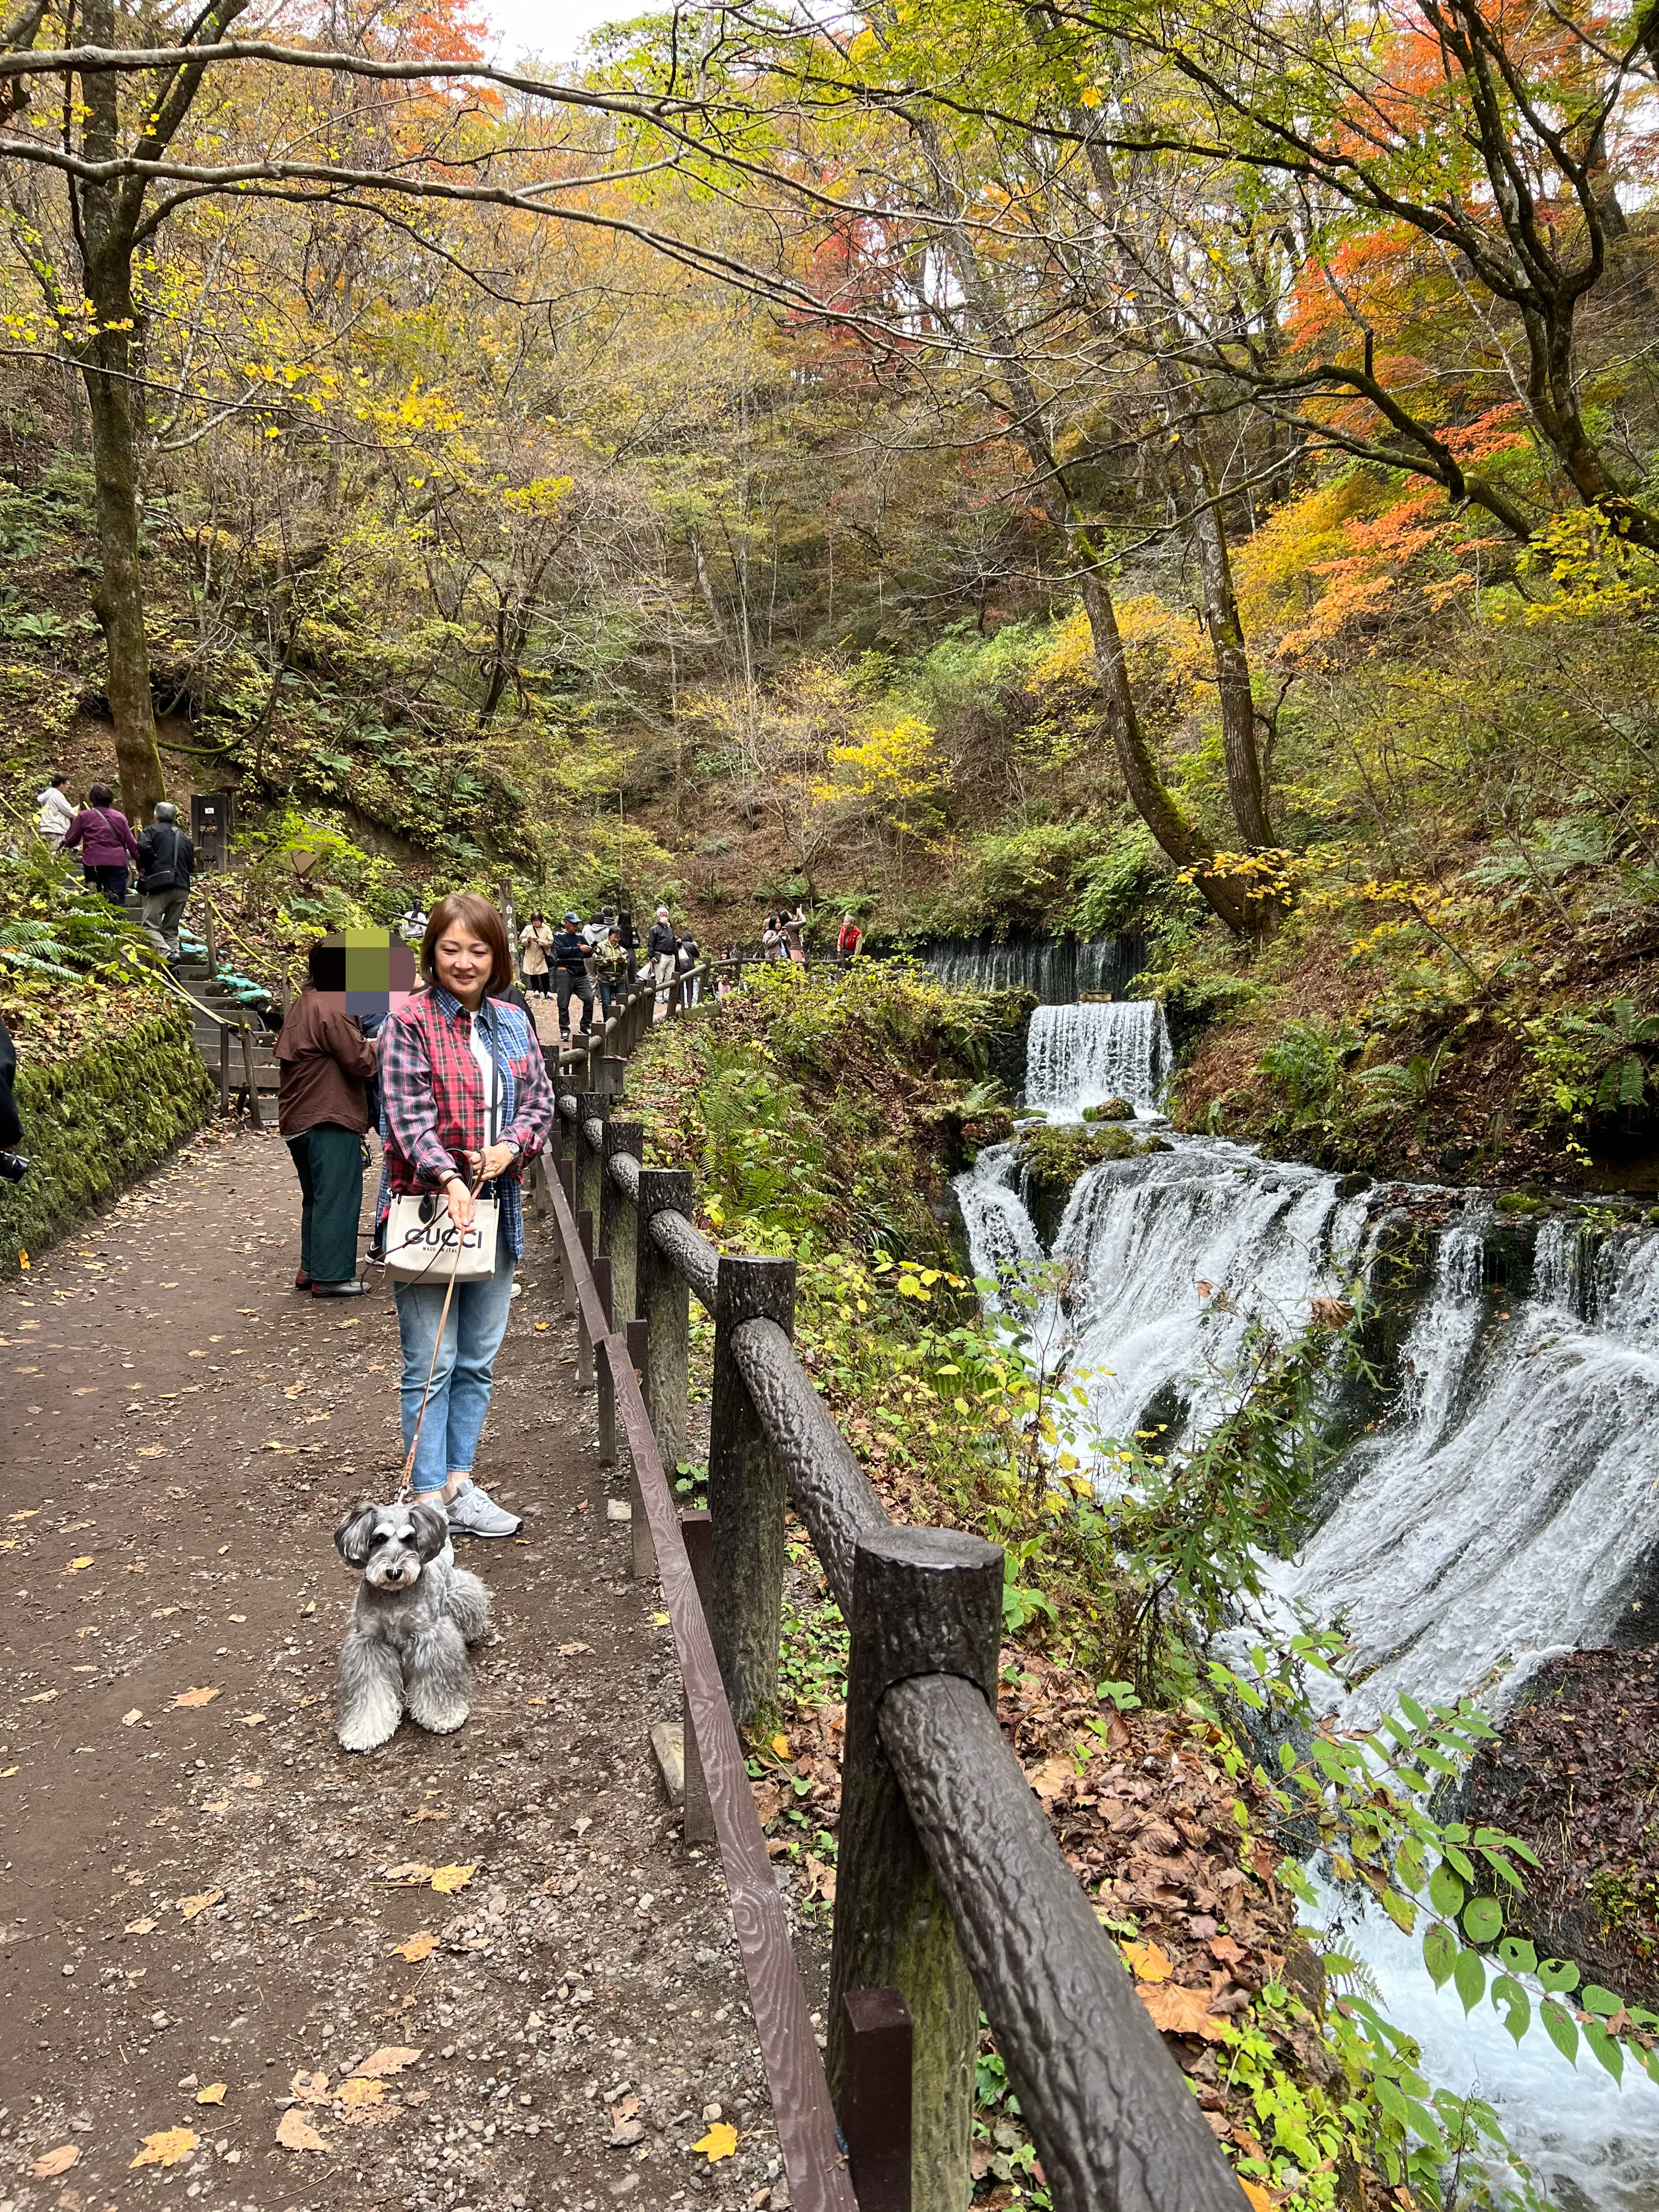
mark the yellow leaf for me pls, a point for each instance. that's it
(213, 2094)
(390, 2059)
(720, 2141)
(139, 1928)
(358, 2091)
(1147, 1962)
(419, 1945)
(448, 1879)
(409, 1875)
(780, 1746)
(152, 1451)
(295, 2132)
(659, 1621)
(76, 1565)
(166, 2148)
(1259, 2199)
(188, 1699)
(56, 2161)
(189, 1906)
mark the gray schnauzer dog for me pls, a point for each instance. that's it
(415, 1614)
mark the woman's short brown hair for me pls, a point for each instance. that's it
(467, 910)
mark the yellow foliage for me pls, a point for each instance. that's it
(1161, 647)
(890, 770)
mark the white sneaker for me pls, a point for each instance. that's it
(475, 1513)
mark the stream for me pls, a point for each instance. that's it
(1498, 1505)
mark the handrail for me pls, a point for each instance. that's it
(1116, 2124)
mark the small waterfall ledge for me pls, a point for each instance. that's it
(1502, 1505)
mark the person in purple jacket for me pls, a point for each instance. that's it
(106, 843)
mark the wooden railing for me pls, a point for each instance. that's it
(951, 1891)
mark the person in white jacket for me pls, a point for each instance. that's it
(56, 811)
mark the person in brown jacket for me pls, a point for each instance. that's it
(323, 1061)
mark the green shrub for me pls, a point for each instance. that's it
(94, 1122)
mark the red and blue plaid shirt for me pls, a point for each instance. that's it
(433, 1103)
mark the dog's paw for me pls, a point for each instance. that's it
(364, 1734)
(439, 1716)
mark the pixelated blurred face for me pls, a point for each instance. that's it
(371, 971)
(464, 963)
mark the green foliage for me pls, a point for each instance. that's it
(94, 1122)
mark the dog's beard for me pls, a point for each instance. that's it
(399, 1574)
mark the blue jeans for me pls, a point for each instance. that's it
(466, 1371)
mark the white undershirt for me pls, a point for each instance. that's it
(491, 1082)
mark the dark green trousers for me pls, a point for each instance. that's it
(329, 1162)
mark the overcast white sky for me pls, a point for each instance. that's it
(553, 28)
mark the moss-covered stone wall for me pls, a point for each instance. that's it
(94, 1122)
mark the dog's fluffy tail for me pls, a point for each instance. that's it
(467, 1603)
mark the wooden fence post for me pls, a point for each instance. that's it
(925, 1601)
(613, 1075)
(644, 1559)
(249, 1077)
(699, 1533)
(746, 1498)
(584, 1342)
(617, 1236)
(606, 1383)
(590, 1106)
(877, 2042)
(224, 1069)
(664, 1302)
(565, 1170)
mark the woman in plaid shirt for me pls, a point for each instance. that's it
(465, 1093)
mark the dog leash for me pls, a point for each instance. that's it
(437, 1346)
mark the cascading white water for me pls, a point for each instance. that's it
(1506, 1507)
(1080, 1057)
(1056, 967)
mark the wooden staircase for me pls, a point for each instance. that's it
(216, 1033)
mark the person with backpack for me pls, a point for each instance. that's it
(166, 857)
(105, 839)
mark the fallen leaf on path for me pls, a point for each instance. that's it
(780, 1746)
(189, 1906)
(420, 1946)
(1051, 1777)
(311, 2088)
(821, 1879)
(1147, 1962)
(139, 1928)
(409, 1875)
(448, 1879)
(56, 2161)
(213, 2094)
(166, 2148)
(27, 1515)
(659, 1621)
(360, 2091)
(295, 2132)
(429, 1813)
(390, 2059)
(187, 1700)
(569, 1651)
(76, 1565)
(720, 2141)
(41, 1697)
(218, 1805)
(249, 1720)
(7, 1770)
(1182, 2012)
(152, 1451)
(137, 1713)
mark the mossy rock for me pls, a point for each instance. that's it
(1110, 1109)
(1520, 1201)
(94, 1123)
(1055, 1158)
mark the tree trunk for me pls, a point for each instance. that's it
(1245, 788)
(118, 598)
(105, 218)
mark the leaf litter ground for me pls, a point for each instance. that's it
(211, 1981)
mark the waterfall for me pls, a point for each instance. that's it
(1000, 1231)
(1083, 1055)
(1056, 967)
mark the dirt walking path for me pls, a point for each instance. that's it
(478, 1971)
